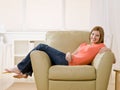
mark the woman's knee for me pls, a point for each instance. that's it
(41, 46)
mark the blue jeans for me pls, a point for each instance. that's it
(57, 58)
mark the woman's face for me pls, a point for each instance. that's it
(94, 37)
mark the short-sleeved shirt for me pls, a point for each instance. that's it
(86, 53)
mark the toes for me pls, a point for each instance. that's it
(7, 71)
(12, 70)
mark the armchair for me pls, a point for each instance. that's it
(80, 77)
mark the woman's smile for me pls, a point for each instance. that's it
(94, 37)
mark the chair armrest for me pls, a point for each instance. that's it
(40, 64)
(103, 64)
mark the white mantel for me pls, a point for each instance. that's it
(9, 37)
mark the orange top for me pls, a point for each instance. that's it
(85, 54)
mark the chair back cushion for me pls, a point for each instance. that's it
(66, 40)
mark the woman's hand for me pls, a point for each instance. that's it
(68, 56)
(104, 49)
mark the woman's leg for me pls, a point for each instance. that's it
(57, 58)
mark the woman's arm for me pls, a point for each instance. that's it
(75, 51)
(104, 49)
(69, 55)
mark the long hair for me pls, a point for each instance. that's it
(101, 31)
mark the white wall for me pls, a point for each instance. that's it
(24, 15)
(44, 15)
(106, 13)
(114, 22)
(77, 14)
(99, 16)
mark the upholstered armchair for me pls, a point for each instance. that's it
(80, 77)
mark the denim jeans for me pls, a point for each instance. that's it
(57, 58)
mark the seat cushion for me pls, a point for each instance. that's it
(82, 72)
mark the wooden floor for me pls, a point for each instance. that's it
(111, 85)
(7, 80)
(22, 86)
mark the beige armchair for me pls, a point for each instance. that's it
(81, 77)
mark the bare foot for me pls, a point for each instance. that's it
(12, 70)
(20, 76)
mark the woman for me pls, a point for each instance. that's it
(81, 56)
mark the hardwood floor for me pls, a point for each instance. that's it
(111, 85)
(6, 80)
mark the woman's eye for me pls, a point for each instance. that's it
(92, 34)
(97, 35)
